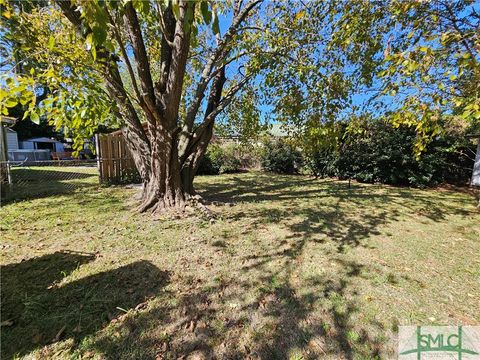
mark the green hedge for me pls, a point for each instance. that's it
(220, 159)
(281, 157)
(383, 154)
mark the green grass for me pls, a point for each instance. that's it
(296, 269)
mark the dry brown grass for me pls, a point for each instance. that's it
(297, 268)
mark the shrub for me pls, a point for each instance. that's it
(206, 166)
(281, 157)
(228, 159)
(250, 155)
(321, 163)
(220, 159)
(384, 154)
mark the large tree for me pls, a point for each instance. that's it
(174, 66)
(168, 151)
(176, 60)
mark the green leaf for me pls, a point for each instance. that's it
(51, 43)
(94, 52)
(206, 13)
(10, 103)
(34, 117)
(24, 100)
(176, 9)
(215, 24)
(89, 41)
(188, 17)
(99, 35)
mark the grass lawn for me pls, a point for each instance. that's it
(296, 269)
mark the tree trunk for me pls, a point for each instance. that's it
(198, 147)
(162, 192)
(163, 189)
(192, 162)
(167, 154)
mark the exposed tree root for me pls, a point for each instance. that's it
(197, 202)
(205, 202)
(148, 204)
(158, 205)
(209, 214)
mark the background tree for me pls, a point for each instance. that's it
(431, 74)
(411, 63)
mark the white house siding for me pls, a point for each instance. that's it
(12, 140)
(476, 167)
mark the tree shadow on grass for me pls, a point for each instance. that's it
(200, 324)
(42, 310)
(320, 316)
(356, 213)
(209, 322)
(260, 187)
(294, 321)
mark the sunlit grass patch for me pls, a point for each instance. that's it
(297, 268)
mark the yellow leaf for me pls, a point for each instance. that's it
(300, 15)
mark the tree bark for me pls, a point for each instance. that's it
(168, 154)
(197, 148)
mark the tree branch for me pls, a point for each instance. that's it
(125, 56)
(137, 138)
(166, 50)
(141, 56)
(181, 42)
(218, 53)
(222, 105)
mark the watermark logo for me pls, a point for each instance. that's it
(439, 342)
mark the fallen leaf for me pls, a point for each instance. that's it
(89, 354)
(60, 333)
(8, 322)
(36, 338)
(141, 306)
(191, 327)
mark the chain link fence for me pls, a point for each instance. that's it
(33, 179)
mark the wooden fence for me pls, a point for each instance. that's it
(115, 163)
